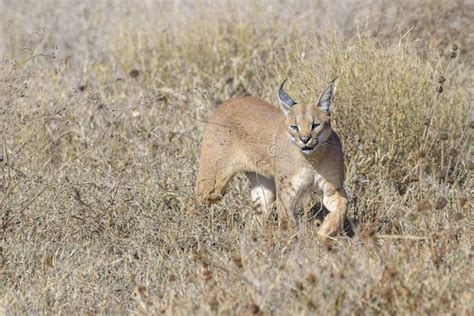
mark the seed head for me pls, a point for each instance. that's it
(424, 205)
(172, 278)
(254, 309)
(299, 286)
(440, 89)
(455, 47)
(238, 261)
(441, 203)
(397, 174)
(310, 304)
(254, 236)
(450, 180)
(311, 279)
(134, 73)
(443, 136)
(453, 55)
(371, 230)
(197, 256)
(284, 225)
(388, 274)
(214, 304)
(328, 246)
(207, 275)
(441, 79)
(462, 201)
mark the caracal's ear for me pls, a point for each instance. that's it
(325, 99)
(286, 102)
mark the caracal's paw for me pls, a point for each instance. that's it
(331, 227)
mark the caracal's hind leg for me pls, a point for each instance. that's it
(335, 200)
(263, 194)
(213, 178)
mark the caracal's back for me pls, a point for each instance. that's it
(236, 125)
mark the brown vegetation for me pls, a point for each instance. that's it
(102, 107)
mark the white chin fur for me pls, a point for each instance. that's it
(308, 152)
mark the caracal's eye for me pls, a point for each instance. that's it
(315, 125)
(294, 127)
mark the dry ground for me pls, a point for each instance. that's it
(102, 108)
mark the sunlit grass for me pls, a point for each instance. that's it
(102, 108)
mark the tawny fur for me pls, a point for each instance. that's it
(252, 136)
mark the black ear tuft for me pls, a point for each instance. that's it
(324, 101)
(286, 101)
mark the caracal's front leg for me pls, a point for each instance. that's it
(287, 210)
(335, 200)
(290, 193)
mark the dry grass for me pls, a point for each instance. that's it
(102, 107)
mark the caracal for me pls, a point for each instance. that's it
(286, 153)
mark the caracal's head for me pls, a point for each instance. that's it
(308, 124)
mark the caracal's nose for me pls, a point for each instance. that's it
(305, 139)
